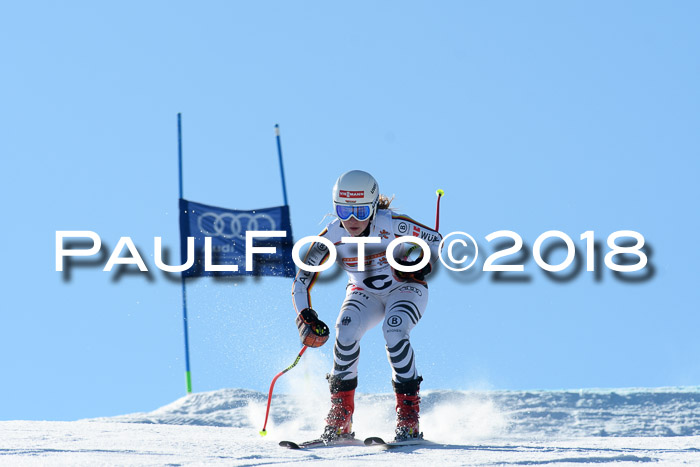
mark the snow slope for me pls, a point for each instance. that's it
(627, 427)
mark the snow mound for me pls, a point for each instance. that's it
(453, 416)
(225, 408)
(604, 412)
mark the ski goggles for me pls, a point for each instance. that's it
(345, 212)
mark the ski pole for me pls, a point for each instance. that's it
(440, 193)
(274, 380)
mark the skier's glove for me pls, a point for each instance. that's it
(312, 331)
(416, 276)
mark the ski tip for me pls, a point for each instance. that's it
(289, 444)
(374, 441)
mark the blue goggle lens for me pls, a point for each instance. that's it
(361, 213)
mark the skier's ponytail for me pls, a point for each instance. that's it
(384, 201)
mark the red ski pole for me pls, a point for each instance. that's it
(440, 194)
(272, 386)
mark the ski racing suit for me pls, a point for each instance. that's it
(372, 295)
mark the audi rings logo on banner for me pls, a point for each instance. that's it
(229, 225)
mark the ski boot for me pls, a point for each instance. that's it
(339, 419)
(407, 410)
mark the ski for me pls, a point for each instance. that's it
(376, 441)
(319, 443)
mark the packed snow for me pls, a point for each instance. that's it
(624, 427)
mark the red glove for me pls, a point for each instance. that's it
(312, 331)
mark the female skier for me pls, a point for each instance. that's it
(377, 293)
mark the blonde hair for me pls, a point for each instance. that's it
(384, 201)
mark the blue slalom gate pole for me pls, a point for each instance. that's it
(188, 374)
(279, 155)
(284, 183)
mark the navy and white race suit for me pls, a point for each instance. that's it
(372, 295)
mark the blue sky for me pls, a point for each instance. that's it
(532, 116)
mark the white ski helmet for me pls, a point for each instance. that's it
(356, 194)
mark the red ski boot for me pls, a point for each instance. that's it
(339, 419)
(407, 410)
